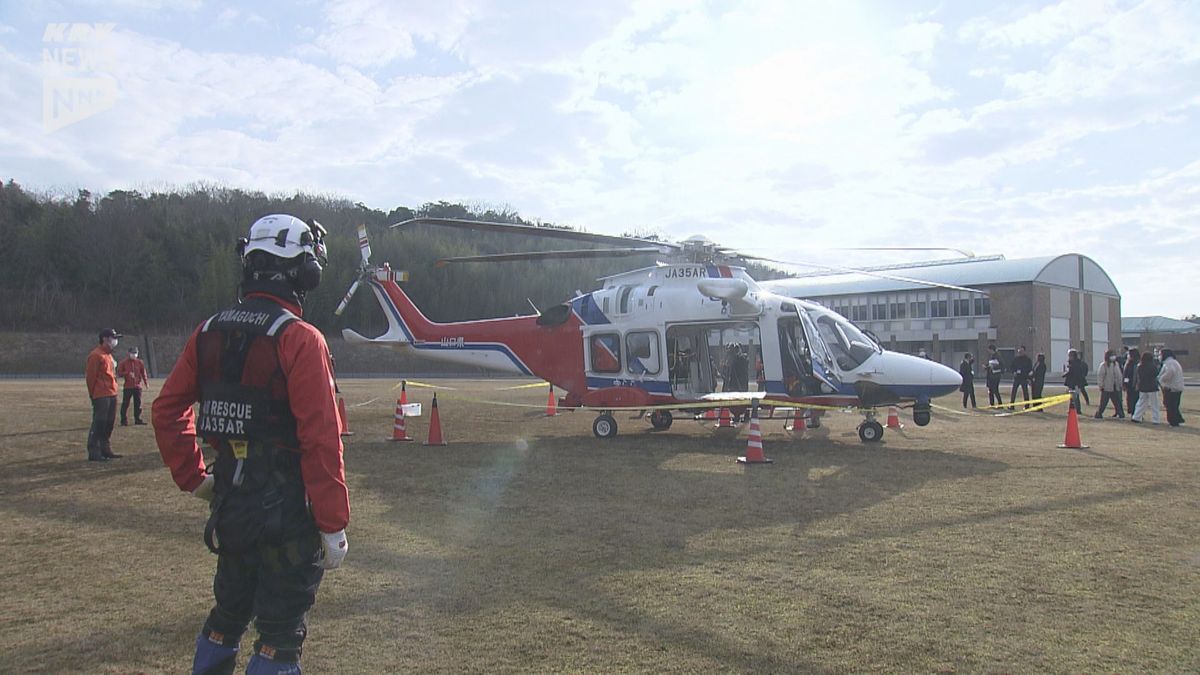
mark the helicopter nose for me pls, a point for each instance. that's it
(944, 377)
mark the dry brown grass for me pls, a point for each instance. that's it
(973, 544)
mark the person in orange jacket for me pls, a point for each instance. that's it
(277, 493)
(102, 387)
(134, 371)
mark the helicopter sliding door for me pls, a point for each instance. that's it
(705, 358)
(820, 358)
(795, 357)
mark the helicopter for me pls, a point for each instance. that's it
(695, 331)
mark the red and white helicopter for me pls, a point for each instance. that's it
(689, 333)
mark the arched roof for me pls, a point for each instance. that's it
(1070, 270)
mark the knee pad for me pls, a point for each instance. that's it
(261, 665)
(214, 654)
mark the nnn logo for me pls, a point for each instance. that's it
(74, 84)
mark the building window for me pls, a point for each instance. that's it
(962, 307)
(879, 312)
(938, 308)
(918, 310)
(983, 306)
(898, 310)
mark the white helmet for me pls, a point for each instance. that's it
(286, 237)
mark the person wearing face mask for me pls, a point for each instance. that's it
(1110, 377)
(102, 387)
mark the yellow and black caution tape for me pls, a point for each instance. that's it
(414, 383)
(1006, 409)
(525, 386)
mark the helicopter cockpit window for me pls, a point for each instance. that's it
(605, 352)
(849, 346)
(641, 352)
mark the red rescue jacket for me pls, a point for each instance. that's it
(305, 360)
(101, 381)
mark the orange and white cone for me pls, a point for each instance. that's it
(754, 446)
(343, 419)
(551, 405)
(724, 420)
(1072, 439)
(403, 392)
(710, 414)
(796, 423)
(435, 426)
(893, 420)
(399, 428)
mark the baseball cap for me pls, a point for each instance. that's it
(110, 333)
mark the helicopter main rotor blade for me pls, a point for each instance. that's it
(535, 231)
(552, 255)
(364, 245)
(346, 298)
(963, 252)
(870, 273)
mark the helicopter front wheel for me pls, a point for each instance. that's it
(870, 431)
(604, 426)
(661, 420)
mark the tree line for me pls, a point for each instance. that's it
(162, 261)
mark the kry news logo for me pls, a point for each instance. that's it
(74, 84)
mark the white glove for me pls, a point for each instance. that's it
(205, 490)
(333, 549)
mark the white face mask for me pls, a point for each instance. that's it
(111, 343)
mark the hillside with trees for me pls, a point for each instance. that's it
(161, 262)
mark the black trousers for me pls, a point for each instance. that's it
(1024, 387)
(1171, 400)
(136, 396)
(1105, 397)
(994, 395)
(275, 586)
(1131, 399)
(104, 416)
(969, 393)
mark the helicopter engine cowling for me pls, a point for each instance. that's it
(723, 289)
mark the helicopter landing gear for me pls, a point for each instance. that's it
(870, 431)
(604, 426)
(661, 420)
(922, 413)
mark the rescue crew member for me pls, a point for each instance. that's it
(102, 387)
(134, 371)
(278, 500)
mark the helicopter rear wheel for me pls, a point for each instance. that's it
(661, 420)
(870, 431)
(604, 426)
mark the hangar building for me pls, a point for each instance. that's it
(1049, 304)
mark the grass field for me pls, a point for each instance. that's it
(973, 544)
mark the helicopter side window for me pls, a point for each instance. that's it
(605, 351)
(642, 353)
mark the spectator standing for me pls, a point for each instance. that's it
(1147, 384)
(1073, 379)
(1170, 378)
(277, 490)
(1038, 378)
(993, 369)
(134, 372)
(1083, 383)
(967, 370)
(1129, 379)
(1022, 368)
(1110, 377)
(102, 388)
(1123, 357)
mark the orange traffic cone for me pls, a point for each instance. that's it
(893, 421)
(399, 429)
(1072, 439)
(754, 447)
(551, 406)
(435, 426)
(403, 392)
(343, 420)
(797, 422)
(724, 420)
(709, 414)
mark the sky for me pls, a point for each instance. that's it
(785, 128)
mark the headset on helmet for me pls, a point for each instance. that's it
(298, 249)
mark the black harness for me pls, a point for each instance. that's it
(245, 416)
